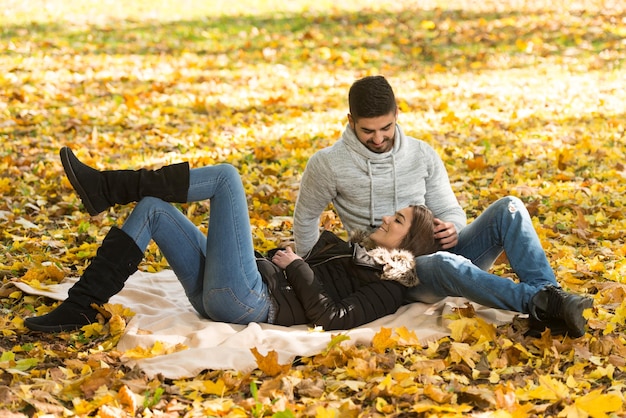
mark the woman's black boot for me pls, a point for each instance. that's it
(116, 259)
(99, 190)
(552, 305)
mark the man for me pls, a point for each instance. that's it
(374, 169)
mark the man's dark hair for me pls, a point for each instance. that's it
(371, 97)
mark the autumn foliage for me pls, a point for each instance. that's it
(519, 97)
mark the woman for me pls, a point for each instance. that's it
(338, 285)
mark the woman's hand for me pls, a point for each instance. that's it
(283, 258)
(445, 233)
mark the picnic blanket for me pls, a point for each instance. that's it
(164, 315)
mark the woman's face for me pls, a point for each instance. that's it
(393, 229)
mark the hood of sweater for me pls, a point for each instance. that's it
(370, 158)
(352, 142)
(397, 265)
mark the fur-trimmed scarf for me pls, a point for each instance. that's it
(398, 265)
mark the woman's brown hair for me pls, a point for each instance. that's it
(420, 239)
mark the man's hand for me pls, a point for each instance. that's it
(283, 258)
(445, 233)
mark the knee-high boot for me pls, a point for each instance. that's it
(99, 190)
(116, 259)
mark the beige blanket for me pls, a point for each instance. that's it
(163, 315)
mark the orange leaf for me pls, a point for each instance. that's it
(477, 163)
(269, 364)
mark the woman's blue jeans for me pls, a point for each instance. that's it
(462, 271)
(218, 271)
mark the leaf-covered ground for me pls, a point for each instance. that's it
(519, 97)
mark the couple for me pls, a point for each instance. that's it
(335, 284)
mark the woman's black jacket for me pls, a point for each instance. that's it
(339, 284)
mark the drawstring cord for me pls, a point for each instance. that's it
(395, 189)
(395, 184)
(369, 172)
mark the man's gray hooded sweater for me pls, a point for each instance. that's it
(365, 186)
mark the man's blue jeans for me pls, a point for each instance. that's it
(218, 271)
(462, 271)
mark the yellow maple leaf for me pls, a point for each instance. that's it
(428, 24)
(548, 389)
(407, 337)
(269, 364)
(117, 325)
(118, 309)
(450, 117)
(94, 329)
(222, 407)
(360, 368)
(157, 349)
(387, 383)
(5, 185)
(472, 329)
(383, 340)
(403, 106)
(597, 404)
(436, 394)
(457, 410)
(37, 277)
(322, 412)
(214, 388)
(596, 265)
(463, 351)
